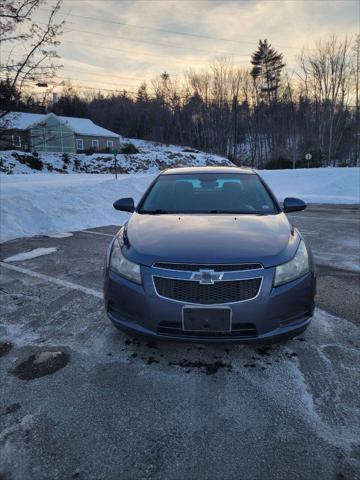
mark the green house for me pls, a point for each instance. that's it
(54, 133)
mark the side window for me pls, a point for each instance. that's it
(109, 143)
(79, 144)
(95, 144)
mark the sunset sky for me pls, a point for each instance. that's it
(117, 44)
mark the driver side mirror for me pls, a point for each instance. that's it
(293, 205)
(124, 204)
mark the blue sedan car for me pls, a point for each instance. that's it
(208, 255)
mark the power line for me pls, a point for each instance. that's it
(167, 45)
(140, 53)
(66, 73)
(82, 87)
(119, 90)
(126, 52)
(110, 49)
(98, 82)
(105, 48)
(173, 32)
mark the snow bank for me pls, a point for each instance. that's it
(47, 204)
(316, 185)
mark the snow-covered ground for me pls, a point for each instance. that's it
(48, 204)
(316, 185)
(152, 158)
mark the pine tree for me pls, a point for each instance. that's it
(142, 94)
(267, 66)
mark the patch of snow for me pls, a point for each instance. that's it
(85, 126)
(152, 158)
(24, 425)
(316, 185)
(27, 422)
(46, 356)
(21, 120)
(60, 235)
(37, 252)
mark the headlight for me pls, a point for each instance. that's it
(122, 265)
(297, 267)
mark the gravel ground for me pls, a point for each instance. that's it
(79, 399)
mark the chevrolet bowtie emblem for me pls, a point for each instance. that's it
(207, 277)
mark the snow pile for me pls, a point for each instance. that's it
(48, 204)
(316, 185)
(152, 158)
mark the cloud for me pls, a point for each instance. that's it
(118, 44)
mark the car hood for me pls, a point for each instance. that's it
(269, 239)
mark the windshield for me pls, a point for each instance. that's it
(208, 193)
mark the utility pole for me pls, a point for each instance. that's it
(115, 162)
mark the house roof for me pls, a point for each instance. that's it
(81, 126)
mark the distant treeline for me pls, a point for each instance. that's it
(265, 115)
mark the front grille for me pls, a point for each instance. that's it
(220, 292)
(238, 330)
(191, 267)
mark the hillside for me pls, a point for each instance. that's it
(152, 158)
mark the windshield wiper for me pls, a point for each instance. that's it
(158, 211)
(234, 212)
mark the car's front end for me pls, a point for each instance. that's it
(210, 276)
(264, 312)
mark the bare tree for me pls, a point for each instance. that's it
(326, 74)
(38, 65)
(356, 76)
(13, 14)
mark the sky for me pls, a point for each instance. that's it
(115, 45)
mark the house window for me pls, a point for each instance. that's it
(79, 144)
(109, 143)
(95, 144)
(16, 140)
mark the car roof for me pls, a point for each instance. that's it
(214, 169)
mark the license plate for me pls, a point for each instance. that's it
(198, 319)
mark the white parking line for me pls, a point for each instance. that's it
(97, 233)
(56, 281)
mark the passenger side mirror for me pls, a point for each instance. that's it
(124, 204)
(293, 205)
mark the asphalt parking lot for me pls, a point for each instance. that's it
(116, 407)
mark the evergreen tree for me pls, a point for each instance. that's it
(142, 94)
(267, 66)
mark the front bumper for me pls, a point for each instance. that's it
(275, 313)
